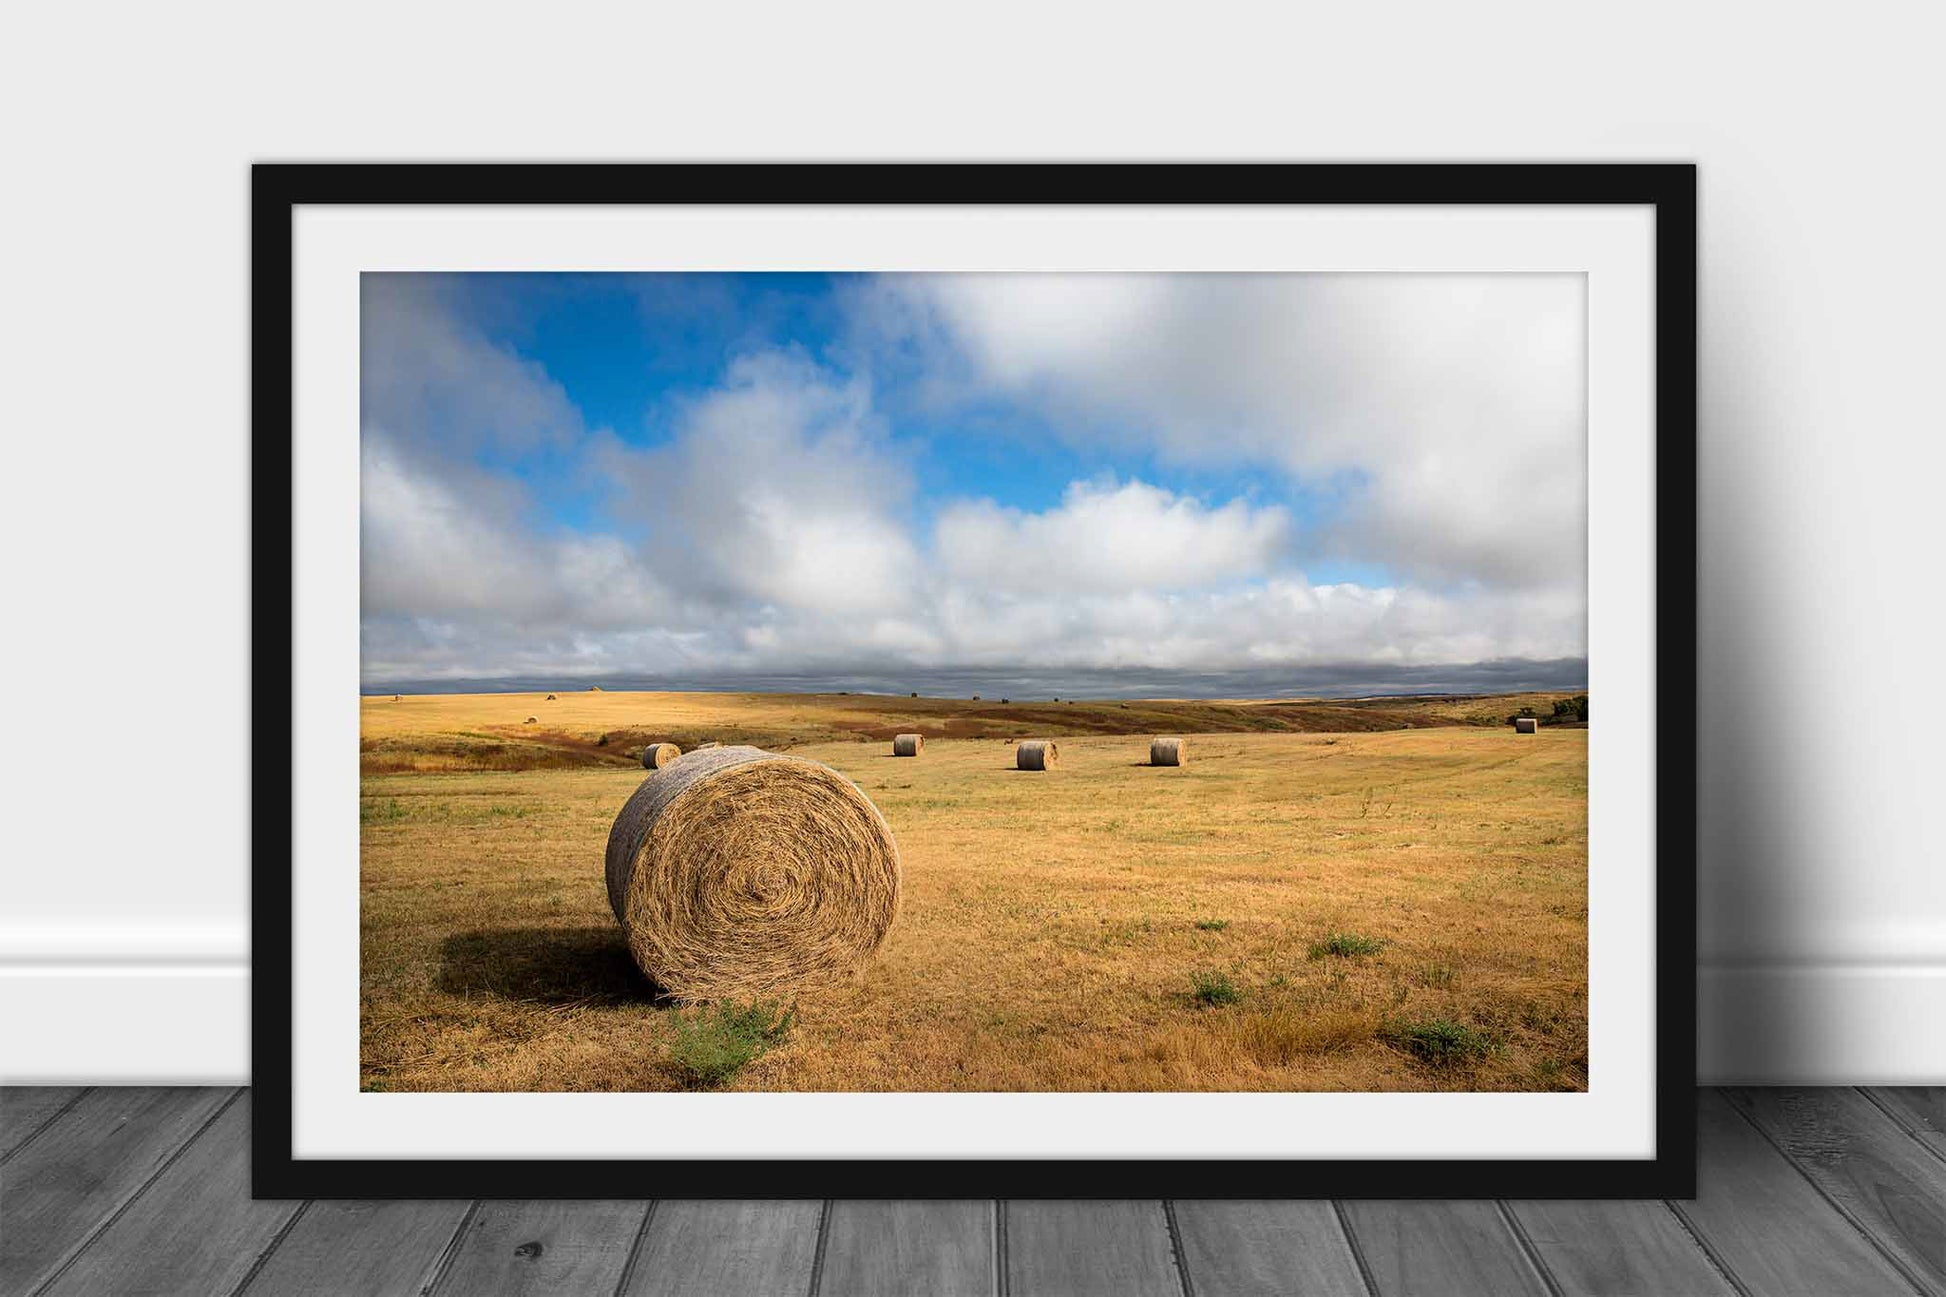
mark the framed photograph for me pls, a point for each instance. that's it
(957, 681)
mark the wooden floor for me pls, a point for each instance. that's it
(1828, 1193)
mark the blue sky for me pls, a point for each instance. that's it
(723, 474)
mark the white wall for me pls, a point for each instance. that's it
(124, 897)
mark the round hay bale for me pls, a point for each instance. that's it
(1526, 725)
(908, 745)
(657, 755)
(1037, 754)
(532, 720)
(1167, 752)
(550, 698)
(737, 873)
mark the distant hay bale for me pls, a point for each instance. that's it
(1167, 752)
(739, 873)
(550, 698)
(594, 689)
(1526, 725)
(657, 755)
(908, 745)
(915, 693)
(532, 720)
(976, 698)
(1037, 754)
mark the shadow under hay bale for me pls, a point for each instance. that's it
(1037, 754)
(542, 966)
(908, 745)
(657, 755)
(737, 873)
(1168, 752)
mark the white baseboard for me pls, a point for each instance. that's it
(1821, 1024)
(157, 1024)
(172, 1005)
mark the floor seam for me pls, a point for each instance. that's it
(634, 1257)
(1525, 1246)
(1176, 1253)
(817, 1257)
(1858, 1227)
(1911, 1131)
(1357, 1249)
(49, 1120)
(121, 1208)
(1708, 1249)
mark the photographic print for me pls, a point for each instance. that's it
(1010, 679)
(973, 682)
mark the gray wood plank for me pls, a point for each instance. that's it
(148, 1249)
(24, 1109)
(1089, 1249)
(1618, 1249)
(1893, 1189)
(752, 1249)
(1453, 1249)
(543, 1247)
(514, 1248)
(91, 1160)
(1774, 1232)
(1920, 1109)
(360, 1249)
(909, 1249)
(1266, 1249)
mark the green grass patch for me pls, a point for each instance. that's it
(1345, 945)
(1213, 988)
(1212, 925)
(714, 1043)
(381, 810)
(1439, 1041)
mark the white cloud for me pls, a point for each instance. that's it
(1109, 538)
(446, 544)
(1456, 401)
(424, 370)
(778, 529)
(779, 489)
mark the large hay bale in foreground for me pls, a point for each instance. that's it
(1037, 754)
(908, 745)
(737, 873)
(1167, 752)
(1526, 725)
(657, 755)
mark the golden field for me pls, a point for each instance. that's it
(1054, 927)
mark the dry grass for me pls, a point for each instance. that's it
(1051, 929)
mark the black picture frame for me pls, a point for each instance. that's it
(277, 189)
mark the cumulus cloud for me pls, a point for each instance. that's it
(425, 370)
(1455, 401)
(772, 522)
(1109, 538)
(780, 489)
